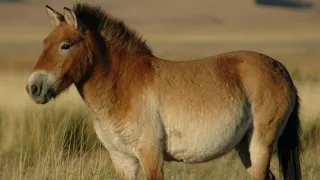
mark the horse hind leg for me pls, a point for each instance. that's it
(256, 157)
(255, 150)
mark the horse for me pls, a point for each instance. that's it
(150, 110)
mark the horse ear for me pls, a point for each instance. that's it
(54, 15)
(70, 17)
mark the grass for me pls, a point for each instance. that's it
(55, 142)
(43, 143)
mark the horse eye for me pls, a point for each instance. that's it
(65, 46)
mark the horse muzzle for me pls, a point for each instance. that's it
(40, 87)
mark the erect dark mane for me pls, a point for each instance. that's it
(113, 30)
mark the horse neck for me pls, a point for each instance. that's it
(111, 88)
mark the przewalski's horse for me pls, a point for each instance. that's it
(150, 109)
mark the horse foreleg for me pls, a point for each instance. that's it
(151, 161)
(126, 167)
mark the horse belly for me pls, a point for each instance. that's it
(196, 143)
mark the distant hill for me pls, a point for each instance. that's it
(171, 12)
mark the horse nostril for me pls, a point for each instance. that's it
(35, 90)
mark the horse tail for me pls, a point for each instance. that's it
(289, 145)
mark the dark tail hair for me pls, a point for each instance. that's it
(289, 145)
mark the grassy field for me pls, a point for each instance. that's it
(56, 141)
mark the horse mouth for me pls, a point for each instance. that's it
(51, 94)
(41, 101)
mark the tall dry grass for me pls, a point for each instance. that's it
(57, 141)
